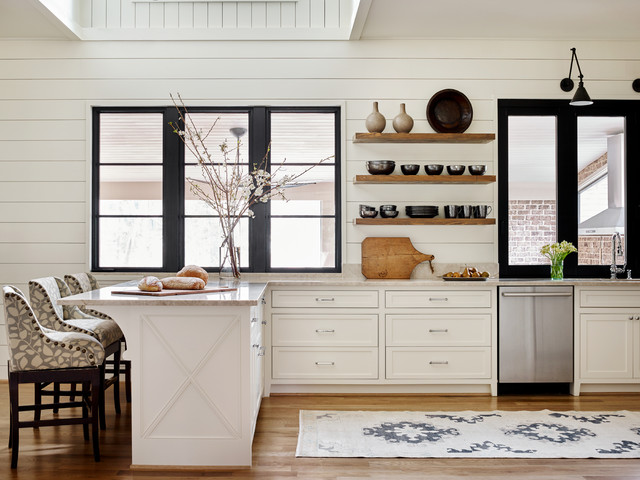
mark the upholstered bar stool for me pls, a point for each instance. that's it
(44, 294)
(85, 282)
(42, 357)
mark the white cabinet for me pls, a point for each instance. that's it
(258, 350)
(383, 339)
(609, 339)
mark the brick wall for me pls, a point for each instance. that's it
(596, 250)
(594, 169)
(532, 224)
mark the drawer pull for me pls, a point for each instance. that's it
(438, 330)
(439, 363)
(631, 317)
(325, 330)
(264, 322)
(325, 299)
(261, 352)
(254, 320)
(326, 363)
(255, 345)
(438, 299)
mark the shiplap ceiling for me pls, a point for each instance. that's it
(542, 19)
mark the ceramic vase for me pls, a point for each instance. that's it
(402, 123)
(375, 122)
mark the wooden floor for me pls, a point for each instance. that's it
(61, 453)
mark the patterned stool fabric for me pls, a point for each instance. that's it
(41, 356)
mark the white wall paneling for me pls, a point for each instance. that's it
(48, 87)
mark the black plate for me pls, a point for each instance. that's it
(449, 111)
(422, 215)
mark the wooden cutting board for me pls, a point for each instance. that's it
(166, 293)
(390, 257)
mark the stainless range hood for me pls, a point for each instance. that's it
(612, 219)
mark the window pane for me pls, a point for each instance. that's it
(203, 237)
(601, 188)
(131, 137)
(217, 126)
(130, 190)
(302, 137)
(302, 242)
(130, 242)
(532, 187)
(317, 188)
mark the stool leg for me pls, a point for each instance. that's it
(103, 421)
(37, 400)
(127, 379)
(56, 395)
(96, 391)
(14, 440)
(116, 385)
(85, 407)
(73, 390)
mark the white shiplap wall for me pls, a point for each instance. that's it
(328, 19)
(47, 89)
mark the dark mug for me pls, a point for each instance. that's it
(465, 211)
(451, 211)
(481, 211)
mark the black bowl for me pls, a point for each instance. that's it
(433, 169)
(410, 169)
(388, 213)
(477, 169)
(368, 213)
(387, 207)
(380, 167)
(455, 169)
(366, 207)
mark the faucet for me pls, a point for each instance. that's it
(616, 249)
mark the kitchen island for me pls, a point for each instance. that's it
(197, 372)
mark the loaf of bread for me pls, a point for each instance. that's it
(193, 271)
(150, 284)
(183, 283)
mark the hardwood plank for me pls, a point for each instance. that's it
(48, 453)
(423, 137)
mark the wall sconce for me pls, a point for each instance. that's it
(581, 96)
(636, 85)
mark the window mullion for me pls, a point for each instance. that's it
(172, 194)
(259, 234)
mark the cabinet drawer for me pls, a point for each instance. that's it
(438, 330)
(323, 363)
(291, 330)
(610, 298)
(324, 299)
(438, 298)
(442, 363)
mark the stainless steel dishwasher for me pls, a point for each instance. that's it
(535, 334)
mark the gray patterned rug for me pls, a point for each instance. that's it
(540, 434)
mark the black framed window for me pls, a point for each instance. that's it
(145, 218)
(565, 173)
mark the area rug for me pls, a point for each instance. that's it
(496, 434)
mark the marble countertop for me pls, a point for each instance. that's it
(246, 294)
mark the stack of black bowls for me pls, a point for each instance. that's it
(422, 211)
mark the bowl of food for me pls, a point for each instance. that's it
(410, 169)
(433, 169)
(380, 167)
(477, 169)
(455, 169)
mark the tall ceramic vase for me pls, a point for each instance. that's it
(403, 123)
(229, 258)
(375, 122)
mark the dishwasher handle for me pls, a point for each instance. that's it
(537, 294)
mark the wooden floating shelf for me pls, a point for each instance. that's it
(425, 221)
(423, 137)
(405, 179)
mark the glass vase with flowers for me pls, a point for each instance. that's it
(557, 252)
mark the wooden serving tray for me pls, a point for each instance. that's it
(169, 292)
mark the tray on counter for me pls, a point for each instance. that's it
(465, 279)
(169, 292)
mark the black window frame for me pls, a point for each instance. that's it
(173, 169)
(567, 176)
